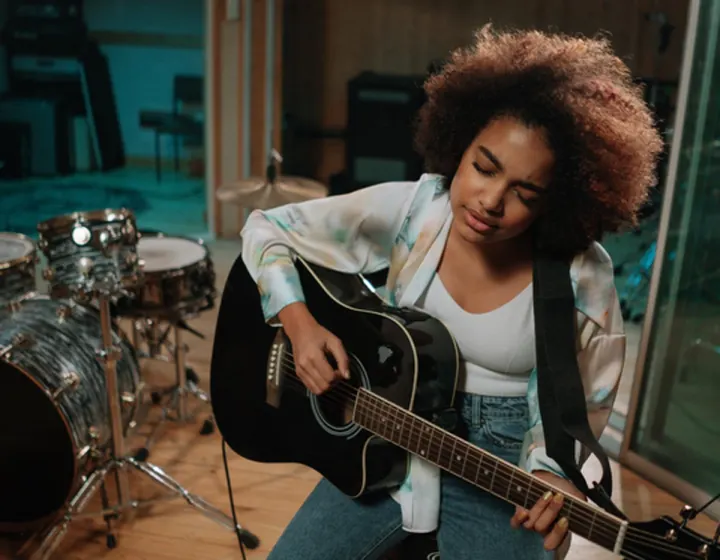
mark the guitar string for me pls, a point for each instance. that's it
(533, 493)
(600, 523)
(633, 535)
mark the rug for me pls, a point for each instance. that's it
(23, 206)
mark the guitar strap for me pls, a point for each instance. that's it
(560, 391)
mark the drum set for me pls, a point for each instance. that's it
(72, 383)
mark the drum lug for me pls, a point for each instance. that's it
(131, 259)
(113, 353)
(130, 233)
(70, 381)
(18, 342)
(48, 274)
(127, 399)
(63, 312)
(85, 266)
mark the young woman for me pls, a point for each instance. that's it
(533, 142)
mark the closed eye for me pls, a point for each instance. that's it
(486, 172)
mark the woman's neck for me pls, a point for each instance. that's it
(496, 259)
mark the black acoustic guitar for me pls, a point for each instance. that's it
(404, 368)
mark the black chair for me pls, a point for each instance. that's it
(187, 91)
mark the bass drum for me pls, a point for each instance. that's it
(53, 404)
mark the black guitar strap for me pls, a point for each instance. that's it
(560, 390)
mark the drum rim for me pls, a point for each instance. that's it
(205, 261)
(68, 431)
(68, 221)
(29, 257)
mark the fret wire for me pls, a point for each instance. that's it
(592, 524)
(527, 495)
(413, 446)
(612, 523)
(492, 480)
(452, 454)
(382, 421)
(467, 452)
(510, 483)
(442, 443)
(429, 445)
(401, 428)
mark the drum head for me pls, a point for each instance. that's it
(14, 246)
(169, 253)
(37, 467)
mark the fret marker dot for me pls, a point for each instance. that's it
(487, 472)
(457, 457)
(519, 488)
(397, 426)
(422, 452)
(427, 429)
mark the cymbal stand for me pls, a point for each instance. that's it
(116, 461)
(159, 347)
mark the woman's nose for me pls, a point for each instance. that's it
(492, 198)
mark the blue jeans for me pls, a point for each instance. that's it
(473, 524)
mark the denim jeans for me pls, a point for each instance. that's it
(473, 524)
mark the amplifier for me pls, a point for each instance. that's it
(381, 116)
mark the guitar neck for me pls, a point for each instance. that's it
(478, 467)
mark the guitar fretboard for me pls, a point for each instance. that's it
(469, 462)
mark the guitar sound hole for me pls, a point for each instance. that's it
(334, 408)
(336, 405)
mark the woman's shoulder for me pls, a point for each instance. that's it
(593, 280)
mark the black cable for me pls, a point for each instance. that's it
(232, 501)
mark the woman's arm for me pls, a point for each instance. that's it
(351, 233)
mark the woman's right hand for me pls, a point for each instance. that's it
(311, 343)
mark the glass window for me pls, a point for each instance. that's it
(678, 427)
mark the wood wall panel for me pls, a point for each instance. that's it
(330, 41)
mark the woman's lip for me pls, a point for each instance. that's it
(477, 223)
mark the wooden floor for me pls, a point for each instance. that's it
(266, 496)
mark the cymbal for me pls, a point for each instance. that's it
(260, 193)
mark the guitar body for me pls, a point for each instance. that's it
(404, 367)
(265, 414)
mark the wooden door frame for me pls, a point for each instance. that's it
(258, 97)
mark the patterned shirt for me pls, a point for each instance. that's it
(403, 226)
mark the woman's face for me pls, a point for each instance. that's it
(498, 189)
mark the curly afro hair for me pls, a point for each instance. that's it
(601, 131)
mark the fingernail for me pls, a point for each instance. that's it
(547, 496)
(346, 374)
(558, 498)
(523, 516)
(563, 523)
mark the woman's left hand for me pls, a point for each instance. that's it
(543, 515)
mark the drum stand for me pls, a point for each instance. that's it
(156, 337)
(118, 463)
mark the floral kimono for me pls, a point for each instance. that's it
(403, 226)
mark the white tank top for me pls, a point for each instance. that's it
(497, 348)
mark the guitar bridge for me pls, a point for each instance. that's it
(275, 361)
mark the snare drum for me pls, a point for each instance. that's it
(178, 278)
(18, 258)
(89, 252)
(54, 404)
